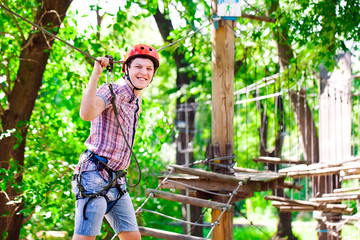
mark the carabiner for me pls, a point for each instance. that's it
(110, 68)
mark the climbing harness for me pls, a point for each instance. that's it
(100, 163)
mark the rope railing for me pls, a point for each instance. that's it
(141, 209)
(177, 219)
(224, 209)
(171, 170)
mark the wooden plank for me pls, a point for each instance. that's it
(151, 232)
(342, 195)
(342, 190)
(293, 202)
(300, 173)
(209, 175)
(289, 207)
(208, 185)
(333, 199)
(304, 167)
(266, 176)
(291, 185)
(336, 206)
(296, 209)
(247, 189)
(240, 170)
(188, 200)
(350, 160)
(277, 160)
(328, 206)
(351, 177)
(310, 209)
(239, 176)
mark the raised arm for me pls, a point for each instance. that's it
(92, 105)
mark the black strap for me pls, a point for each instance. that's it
(110, 204)
(109, 69)
(83, 194)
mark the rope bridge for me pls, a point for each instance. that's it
(228, 188)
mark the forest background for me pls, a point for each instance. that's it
(41, 83)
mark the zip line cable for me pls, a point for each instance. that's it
(47, 32)
(251, 222)
(85, 53)
(183, 38)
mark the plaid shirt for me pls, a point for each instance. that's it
(106, 139)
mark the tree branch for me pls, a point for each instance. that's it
(259, 18)
(16, 23)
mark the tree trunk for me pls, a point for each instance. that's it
(34, 54)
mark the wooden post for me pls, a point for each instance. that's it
(222, 104)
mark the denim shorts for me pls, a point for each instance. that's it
(121, 216)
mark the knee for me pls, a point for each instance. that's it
(134, 235)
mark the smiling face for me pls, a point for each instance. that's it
(141, 71)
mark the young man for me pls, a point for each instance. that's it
(107, 152)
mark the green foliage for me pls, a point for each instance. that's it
(316, 32)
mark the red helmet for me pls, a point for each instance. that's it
(142, 50)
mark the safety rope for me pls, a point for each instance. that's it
(171, 170)
(179, 220)
(201, 217)
(109, 69)
(224, 209)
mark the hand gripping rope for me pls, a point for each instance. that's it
(109, 69)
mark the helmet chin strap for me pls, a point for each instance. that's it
(129, 79)
(134, 87)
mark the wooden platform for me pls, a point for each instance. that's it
(252, 180)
